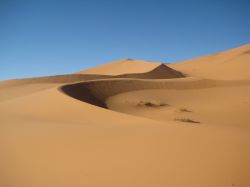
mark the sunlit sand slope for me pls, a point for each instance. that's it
(49, 139)
(231, 64)
(213, 106)
(124, 66)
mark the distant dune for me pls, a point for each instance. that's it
(130, 123)
(123, 66)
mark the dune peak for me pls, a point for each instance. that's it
(122, 66)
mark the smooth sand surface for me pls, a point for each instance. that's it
(123, 66)
(230, 65)
(209, 106)
(131, 131)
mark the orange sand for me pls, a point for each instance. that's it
(125, 129)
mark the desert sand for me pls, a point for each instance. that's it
(130, 123)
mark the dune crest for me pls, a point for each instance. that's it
(160, 72)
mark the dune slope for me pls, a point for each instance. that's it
(50, 139)
(228, 65)
(60, 132)
(160, 72)
(207, 97)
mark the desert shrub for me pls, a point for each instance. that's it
(184, 110)
(151, 104)
(188, 120)
(163, 104)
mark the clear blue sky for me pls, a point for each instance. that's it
(47, 37)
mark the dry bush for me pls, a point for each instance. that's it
(186, 120)
(151, 104)
(184, 110)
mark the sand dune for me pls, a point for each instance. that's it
(103, 89)
(230, 65)
(160, 72)
(123, 66)
(77, 130)
(50, 139)
(20, 87)
(178, 92)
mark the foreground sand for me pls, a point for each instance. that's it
(51, 136)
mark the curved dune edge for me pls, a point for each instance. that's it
(96, 92)
(8, 87)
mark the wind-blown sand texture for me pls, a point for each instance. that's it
(130, 123)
